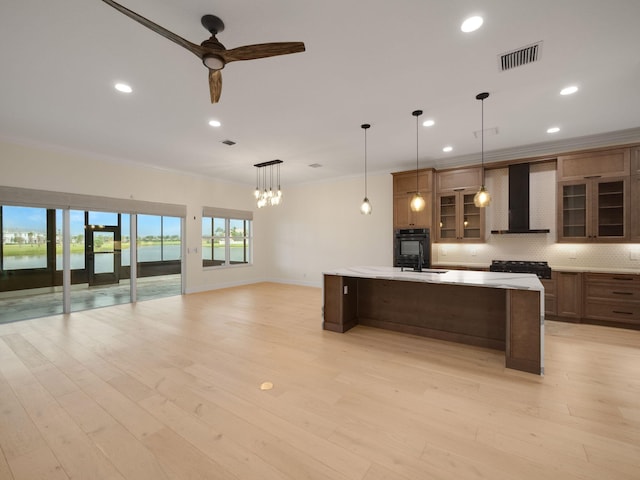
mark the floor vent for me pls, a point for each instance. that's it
(519, 57)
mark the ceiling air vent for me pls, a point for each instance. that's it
(519, 57)
(315, 165)
(229, 142)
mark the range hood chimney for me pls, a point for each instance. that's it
(519, 201)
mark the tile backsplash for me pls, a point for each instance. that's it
(534, 246)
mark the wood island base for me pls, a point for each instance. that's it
(503, 319)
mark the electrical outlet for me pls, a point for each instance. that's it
(634, 255)
(345, 289)
(572, 254)
(474, 251)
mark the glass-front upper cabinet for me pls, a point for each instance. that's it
(593, 210)
(594, 196)
(459, 220)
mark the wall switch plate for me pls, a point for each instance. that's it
(572, 254)
(634, 255)
(345, 289)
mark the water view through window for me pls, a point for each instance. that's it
(31, 260)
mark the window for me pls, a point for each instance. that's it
(24, 237)
(225, 241)
(158, 238)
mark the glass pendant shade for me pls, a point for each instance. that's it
(482, 198)
(365, 208)
(417, 202)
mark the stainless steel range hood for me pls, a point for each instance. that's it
(519, 201)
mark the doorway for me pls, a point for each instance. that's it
(103, 254)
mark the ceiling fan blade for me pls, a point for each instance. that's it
(192, 47)
(215, 85)
(261, 50)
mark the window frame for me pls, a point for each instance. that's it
(227, 238)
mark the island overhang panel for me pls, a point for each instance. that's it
(486, 309)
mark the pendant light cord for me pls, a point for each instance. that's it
(482, 137)
(365, 163)
(417, 134)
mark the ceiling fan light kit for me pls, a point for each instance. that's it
(213, 54)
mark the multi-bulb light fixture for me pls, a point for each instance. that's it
(263, 196)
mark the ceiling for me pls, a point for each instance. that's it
(365, 62)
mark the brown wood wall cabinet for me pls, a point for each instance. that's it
(594, 196)
(634, 187)
(404, 187)
(457, 218)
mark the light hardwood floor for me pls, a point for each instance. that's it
(170, 389)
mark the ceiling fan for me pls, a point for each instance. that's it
(213, 54)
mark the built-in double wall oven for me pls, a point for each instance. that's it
(412, 248)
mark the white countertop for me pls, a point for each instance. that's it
(519, 281)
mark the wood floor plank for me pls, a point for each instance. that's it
(124, 451)
(175, 384)
(73, 449)
(40, 464)
(5, 471)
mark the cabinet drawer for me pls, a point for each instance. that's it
(617, 278)
(613, 291)
(614, 311)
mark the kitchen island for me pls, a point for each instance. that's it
(502, 311)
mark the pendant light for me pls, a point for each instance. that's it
(417, 201)
(263, 196)
(365, 208)
(482, 198)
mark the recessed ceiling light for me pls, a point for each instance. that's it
(428, 123)
(123, 87)
(569, 90)
(214, 123)
(447, 149)
(553, 130)
(471, 24)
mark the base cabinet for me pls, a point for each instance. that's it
(599, 298)
(569, 295)
(550, 296)
(612, 298)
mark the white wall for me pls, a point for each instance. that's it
(319, 227)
